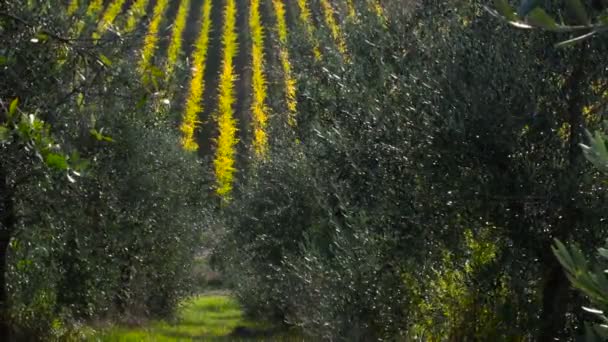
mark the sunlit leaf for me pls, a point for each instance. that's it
(540, 18)
(105, 60)
(563, 255)
(505, 9)
(156, 72)
(12, 109)
(99, 136)
(42, 37)
(80, 100)
(56, 161)
(5, 134)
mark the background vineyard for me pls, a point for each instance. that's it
(221, 106)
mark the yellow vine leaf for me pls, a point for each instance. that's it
(350, 7)
(175, 46)
(334, 29)
(73, 7)
(306, 19)
(197, 87)
(376, 7)
(109, 16)
(258, 106)
(226, 141)
(151, 38)
(92, 12)
(281, 24)
(288, 79)
(136, 12)
(94, 8)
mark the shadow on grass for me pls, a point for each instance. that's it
(212, 317)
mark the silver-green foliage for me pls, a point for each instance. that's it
(101, 207)
(590, 280)
(529, 15)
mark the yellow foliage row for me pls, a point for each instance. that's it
(92, 13)
(350, 7)
(73, 7)
(94, 8)
(281, 24)
(330, 21)
(290, 83)
(151, 39)
(175, 46)
(109, 16)
(136, 12)
(306, 19)
(377, 8)
(197, 87)
(258, 106)
(226, 141)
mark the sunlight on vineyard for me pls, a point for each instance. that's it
(330, 21)
(195, 93)
(290, 83)
(226, 141)
(151, 39)
(258, 107)
(175, 47)
(136, 12)
(109, 16)
(306, 19)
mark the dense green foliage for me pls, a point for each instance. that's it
(101, 209)
(425, 183)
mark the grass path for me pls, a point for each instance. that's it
(211, 317)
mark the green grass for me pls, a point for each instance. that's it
(211, 317)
